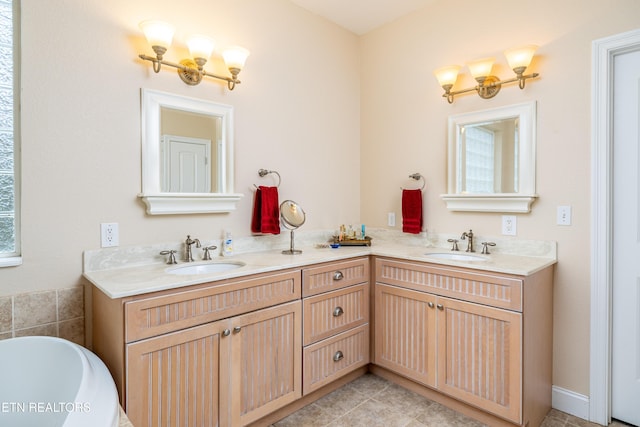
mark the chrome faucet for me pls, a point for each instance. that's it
(188, 243)
(468, 235)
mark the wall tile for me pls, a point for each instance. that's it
(6, 314)
(70, 303)
(49, 330)
(34, 309)
(72, 330)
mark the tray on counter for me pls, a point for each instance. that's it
(354, 242)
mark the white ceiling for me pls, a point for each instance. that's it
(361, 16)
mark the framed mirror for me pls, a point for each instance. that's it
(492, 160)
(187, 155)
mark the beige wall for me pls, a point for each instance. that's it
(404, 129)
(343, 119)
(299, 100)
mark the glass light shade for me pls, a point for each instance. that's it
(235, 57)
(158, 33)
(200, 46)
(481, 67)
(447, 75)
(520, 56)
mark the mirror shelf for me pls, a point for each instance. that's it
(189, 203)
(160, 196)
(492, 160)
(492, 203)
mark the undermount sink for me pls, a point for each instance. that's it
(455, 256)
(213, 267)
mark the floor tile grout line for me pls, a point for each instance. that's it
(348, 411)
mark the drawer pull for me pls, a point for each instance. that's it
(338, 356)
(430, 304)
(226, 333)
(338, 311)
(440, 307)
(338, 275)
(237, 329)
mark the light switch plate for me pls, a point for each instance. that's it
(564, 215)
(391, 219)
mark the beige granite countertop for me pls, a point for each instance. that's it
(122, 272)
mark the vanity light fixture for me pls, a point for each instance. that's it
(488, 85)
(191, 70)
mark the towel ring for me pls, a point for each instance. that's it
(417, 176)
(264, 172)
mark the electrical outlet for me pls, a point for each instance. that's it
(509, 224)
(391, 219)
(564, 215)
(109, 234)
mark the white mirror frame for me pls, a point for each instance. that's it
(159, 203)
(519, 202)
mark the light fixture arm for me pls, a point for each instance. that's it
(158, 61)
(489, 87)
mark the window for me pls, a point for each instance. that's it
(9, 133)
(479, 157)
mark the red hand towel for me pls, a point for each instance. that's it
(257, 212)
(266, 211)
(412, 211)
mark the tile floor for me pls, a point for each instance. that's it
(371, 401)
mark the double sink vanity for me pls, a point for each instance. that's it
(251, 338)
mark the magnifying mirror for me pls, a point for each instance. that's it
(292, 217)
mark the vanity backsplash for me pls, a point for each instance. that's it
(131, 256)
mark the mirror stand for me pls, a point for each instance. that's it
(293, 217)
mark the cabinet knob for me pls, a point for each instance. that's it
(226, 333)
(338, 311)
(338, 275)
(430, 304)
(440, 306)
(237, 329)
(338, 356)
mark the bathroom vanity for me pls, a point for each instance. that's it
(252, 345)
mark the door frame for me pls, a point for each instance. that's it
(604, 52)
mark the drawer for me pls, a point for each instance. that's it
(334, 357)
(483, 288)
(335, 275)
(333, 312)
(175, 310)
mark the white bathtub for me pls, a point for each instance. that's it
(52, 382)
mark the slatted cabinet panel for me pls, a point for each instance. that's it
(333, 312)
(479, 356)
(332, 276)
(173, 380)
(405, 333)
(169, 311)
(329, 359)
(481, 287)
(266, 362)
(336, 320)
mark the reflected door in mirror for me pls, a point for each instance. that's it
(191, 160)
(186, 164)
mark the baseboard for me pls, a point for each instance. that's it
(568, 401)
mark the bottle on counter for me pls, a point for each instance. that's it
(227, 244)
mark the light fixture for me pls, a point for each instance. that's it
(191, 70)
(488, 85)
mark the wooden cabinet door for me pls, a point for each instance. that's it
(479, 356)
(265, 362)
(173, 379)
(405, 328)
